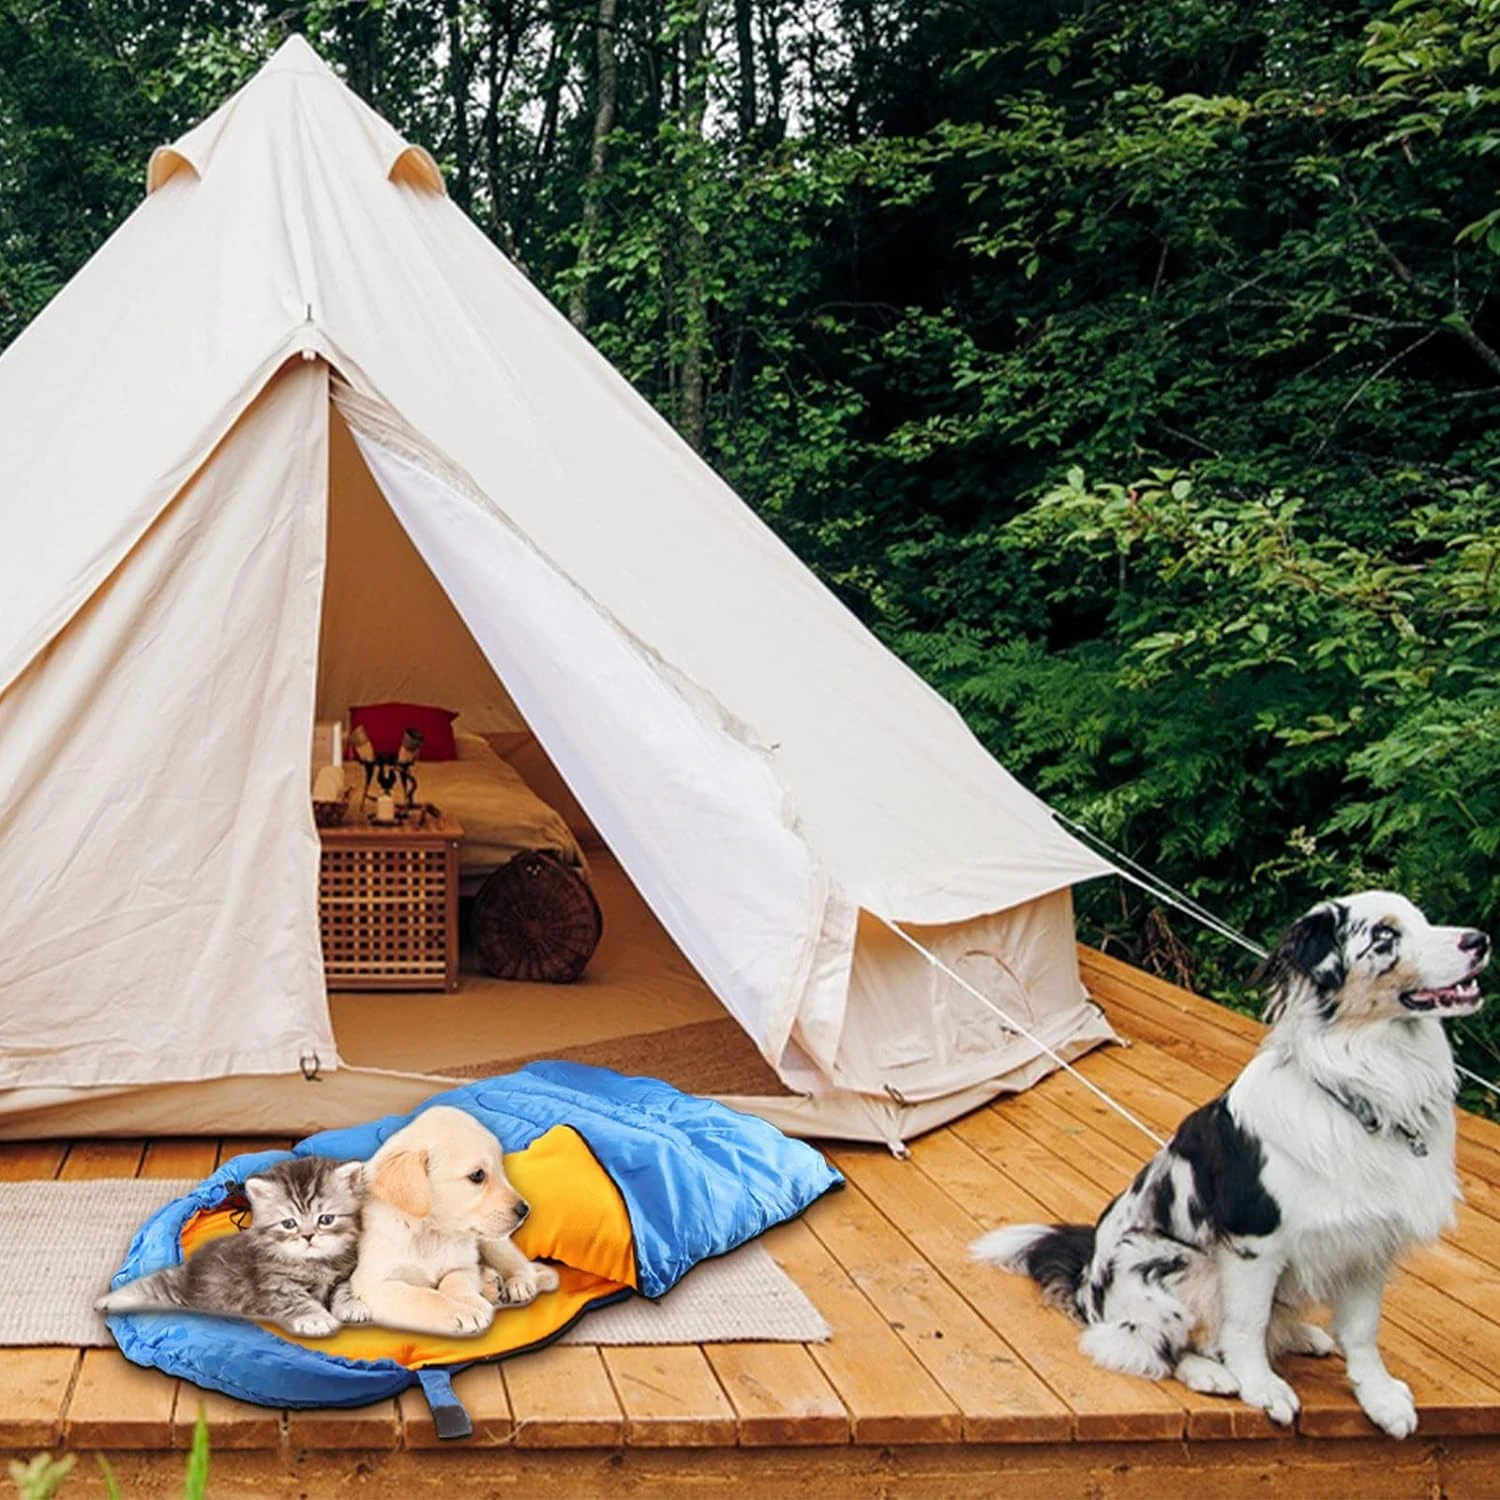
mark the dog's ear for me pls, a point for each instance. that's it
(400, 1179)
(1312, 950)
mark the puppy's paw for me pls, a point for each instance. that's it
(315, 1324)
(468, 1317)
(521, 1287)
(1388, 1404)
(489, 1285)
(348, 1308)
(1274, 1397)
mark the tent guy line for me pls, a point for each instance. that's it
(1154, 885)
(1016, 1026)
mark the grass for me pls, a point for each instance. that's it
(45, 1475)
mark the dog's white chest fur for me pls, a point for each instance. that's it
(1353, 1191)
(426, 1254)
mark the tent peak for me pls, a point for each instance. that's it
(293, 79)
(296, 54)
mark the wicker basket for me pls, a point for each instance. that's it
(536, 918)
(331, 814)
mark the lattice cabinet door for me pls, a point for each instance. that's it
(388, 907)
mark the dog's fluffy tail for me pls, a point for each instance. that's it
(1055, 1256)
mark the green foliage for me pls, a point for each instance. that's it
(1132, 367)
(195, 1479)
(44, 1475)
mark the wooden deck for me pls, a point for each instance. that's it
(943, 1378)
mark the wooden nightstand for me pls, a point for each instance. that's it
(388, 905)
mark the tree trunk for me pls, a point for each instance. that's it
(490, 128)
(695, 332)
(744, 38)
(554, 73)
(461, 189)
(513, 24)
(593, 188)
(358, 33)
(770, 50)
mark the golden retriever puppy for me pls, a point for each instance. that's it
(435, 1250)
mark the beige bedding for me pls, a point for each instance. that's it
(500, 814)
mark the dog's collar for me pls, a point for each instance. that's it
(1367, 1115)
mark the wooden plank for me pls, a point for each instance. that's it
(1474, 1154)
(670, 1397)
(481, 1389)
(1372, 1468)
(1466, 1279)
(1450, 1400)
(1099, 969)
(951, 1309)
(101, 1159)
(29, 1161)
(1484, 1132)
(1187, 1079)
(888, 1394)
(243, 1145)
(1038, 1113)
(1149, 1097)
(34, 1386)
(180, 1156)
(1168, 1018)
(375, 1426)
(1071, 1194)
(780, 1397)
(233, 1425)
(1220, 1057)
(1443, 1324)
(116, 1404)
(1481, 1198)
(561, 1397)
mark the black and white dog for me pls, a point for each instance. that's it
(1328, 1156)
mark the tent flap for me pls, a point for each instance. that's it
(158, 918)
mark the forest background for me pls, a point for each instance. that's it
(1131, 367)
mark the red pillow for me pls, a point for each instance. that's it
(385, 723)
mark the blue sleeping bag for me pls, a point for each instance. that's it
(628, 1175)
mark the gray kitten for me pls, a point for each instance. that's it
(289, 1267)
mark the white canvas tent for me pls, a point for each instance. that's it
(177, 431)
